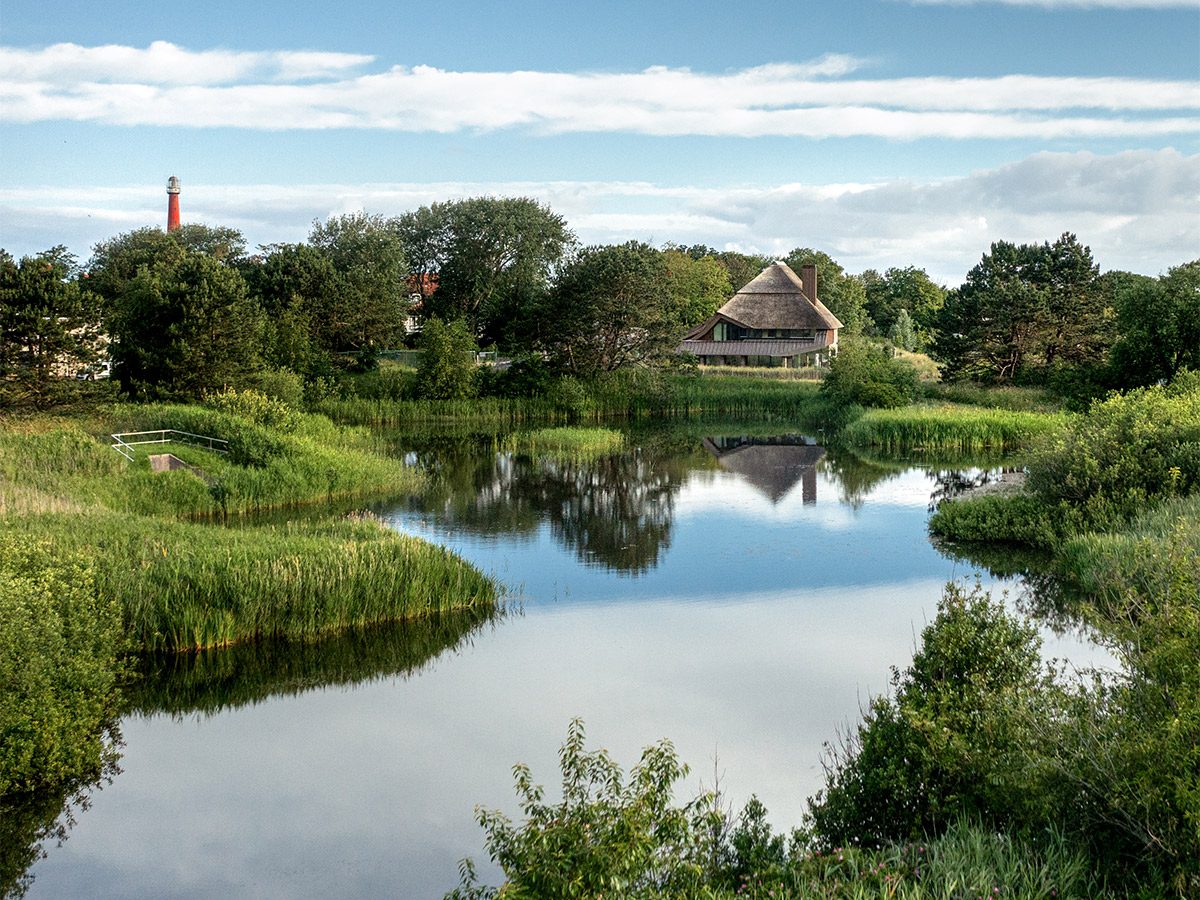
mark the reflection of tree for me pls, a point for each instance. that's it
(1043, 595)
(28, 822)
(211, 681)
(954, 482)
(856, 476)
(613, 511)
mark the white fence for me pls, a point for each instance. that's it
(165, 436)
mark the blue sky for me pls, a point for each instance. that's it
(885, 132)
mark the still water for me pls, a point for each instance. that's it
(742, 596)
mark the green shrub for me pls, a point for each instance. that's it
(953, 741)
(1018, 519)
(447, 370)
(606, 837)
(255, 407)
(281, 385)
(1125, 450)
(60, 642)
(868, 376)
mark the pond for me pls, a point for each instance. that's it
(739, 591)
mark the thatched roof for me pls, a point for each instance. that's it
(773, 468)
(776, 299)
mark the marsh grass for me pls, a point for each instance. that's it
(1103, 565)
(1010, 397)
(70, 460)
(968, 860)
(776, 373)
(187, 586)
(621, 396)
(948, 427)
(571, 443)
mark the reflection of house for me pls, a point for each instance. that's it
(773, 465)
(774, 320)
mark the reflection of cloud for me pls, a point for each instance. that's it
(1135, 209)
(731, 495)
(377, 800)
(167, 85)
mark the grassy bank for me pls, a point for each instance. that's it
(948, 427)
(53, 463)
(185, 584)
(623, 396)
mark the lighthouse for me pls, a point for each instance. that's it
(172, 203)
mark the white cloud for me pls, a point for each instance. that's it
(1136, 209)
(166, 85)
(163, 63)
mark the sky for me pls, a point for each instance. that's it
(884, 132)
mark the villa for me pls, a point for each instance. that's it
(775, 320)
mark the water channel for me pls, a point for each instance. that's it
(741, 595)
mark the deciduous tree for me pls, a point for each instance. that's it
(610, 309)
(49, 327)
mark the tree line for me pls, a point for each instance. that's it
(190, 311)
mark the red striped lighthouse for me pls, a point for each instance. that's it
(172, 203)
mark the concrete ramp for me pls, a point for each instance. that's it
(169, 462)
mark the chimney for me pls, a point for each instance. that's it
(808, 278)
(172, 203)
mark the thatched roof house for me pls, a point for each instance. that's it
(776, 319)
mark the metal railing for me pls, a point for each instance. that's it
(125, 447)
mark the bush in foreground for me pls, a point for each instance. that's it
(59, 649)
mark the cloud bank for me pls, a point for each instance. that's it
(1136, 209)
(166, 85)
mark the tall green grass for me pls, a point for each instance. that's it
(621, 396)
(1010, 397)
(1105, 566)
(948, 428)
(565, 442)
(967, 861)
(187, 586)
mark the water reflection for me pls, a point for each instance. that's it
(772, 465)
(30, 824)
(616, 511)
(212, 681)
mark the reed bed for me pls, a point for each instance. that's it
(1106, 565)
(969, 860)
(189, 586)
(1010, 397)
(634, 396)
(565, 442)
(776, 373)
(948, 427)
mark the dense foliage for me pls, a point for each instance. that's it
(611, 308)
(60, 642)
(868, 376)
(447, 370)
(49, 329)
